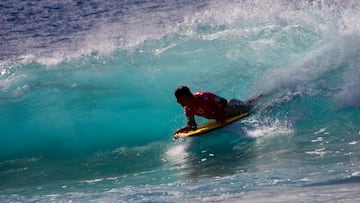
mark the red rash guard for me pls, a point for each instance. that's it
(208, 105)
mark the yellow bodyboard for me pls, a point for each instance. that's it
(207, 127)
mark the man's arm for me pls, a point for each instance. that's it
(221, 105)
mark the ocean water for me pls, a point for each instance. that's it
(87, 109)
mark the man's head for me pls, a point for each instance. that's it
(183, 95)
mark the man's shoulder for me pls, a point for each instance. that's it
(203, 93)
(205, 96)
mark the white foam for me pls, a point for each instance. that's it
(92, 181)
(273, 128)
(322, 130)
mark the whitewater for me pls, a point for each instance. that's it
(87, 110)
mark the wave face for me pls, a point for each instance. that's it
(87, 109)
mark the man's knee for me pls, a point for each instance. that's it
(235, 102)
(236, 107)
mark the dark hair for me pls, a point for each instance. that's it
(182, 91)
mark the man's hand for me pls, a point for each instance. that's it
(185, 129)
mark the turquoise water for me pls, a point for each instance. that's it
(87, 109)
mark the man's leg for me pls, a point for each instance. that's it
(236, 107)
